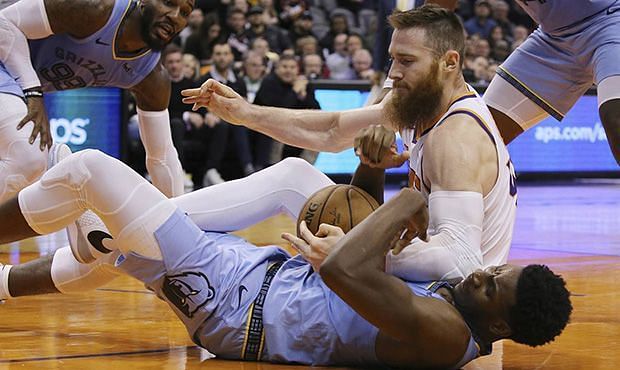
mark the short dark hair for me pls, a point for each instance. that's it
(444, 30)
(543, 306)
(171, 49)
(287, 57)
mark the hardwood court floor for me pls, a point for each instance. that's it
(575, 229)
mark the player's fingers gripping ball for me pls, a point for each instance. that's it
(340, 205)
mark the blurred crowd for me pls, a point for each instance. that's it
(270, 51)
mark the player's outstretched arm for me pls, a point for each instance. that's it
(354, 271)
(309, 129)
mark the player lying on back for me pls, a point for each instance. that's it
(351, 312)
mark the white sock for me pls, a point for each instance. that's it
(4, 281)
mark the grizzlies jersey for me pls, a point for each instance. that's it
(555, 16)
(63, 62)
(306, 322)
(500, 203)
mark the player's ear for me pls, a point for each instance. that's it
(451, 60)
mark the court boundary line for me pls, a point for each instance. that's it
(108, 354)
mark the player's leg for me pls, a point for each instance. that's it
(606, 66)
(59, 272)
(534, 82)
(283, 187)
(21, 163)
(131, 208)
(610, 118)
(234, 205)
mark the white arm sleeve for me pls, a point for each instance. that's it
(22, 20)
(162, 160)
(454, 249)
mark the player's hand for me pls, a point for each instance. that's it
(38, 115)
(376, 147)
(220, 100)
(315, 248)
(416, 225)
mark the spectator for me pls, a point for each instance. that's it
(501, 50)
(482, 48)
(254, 68)
(307, 45)
(284, 89)
(339, 62)
(194, 21)
(301, 27)
(200, 44)
(313, 67)
(337, 24)
(497, 35)
(362, 65)
(277, 38)
(261, 47)
(207, 142)
(481, 23)
(520, 34)
(269, 14)
(480, 66)
(470, 45)
(237, 38)
(501, 9)
(191, 67)
(172, 59)
(355, 42)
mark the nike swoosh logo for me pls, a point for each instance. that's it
(241, 289)
(612, 9)
(96, 238)
(98, 41)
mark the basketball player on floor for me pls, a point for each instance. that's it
(58, 45)
(576, 45)
(349, 313)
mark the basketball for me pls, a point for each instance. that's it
(340, 205)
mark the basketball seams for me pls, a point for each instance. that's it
(349, 200)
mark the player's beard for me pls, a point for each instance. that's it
(415, 107)
(146, 27)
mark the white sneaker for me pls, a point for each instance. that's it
(88, 238)
(57, 153)
(212, 177)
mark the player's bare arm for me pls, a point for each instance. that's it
(153, 93)
(422, 332)
(460, 156)
(79, 18)
(310, 129)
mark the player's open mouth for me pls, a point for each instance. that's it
(165, 31)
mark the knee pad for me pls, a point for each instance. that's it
(25, 165)
(73, 172)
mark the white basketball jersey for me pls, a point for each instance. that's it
(501, 202)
